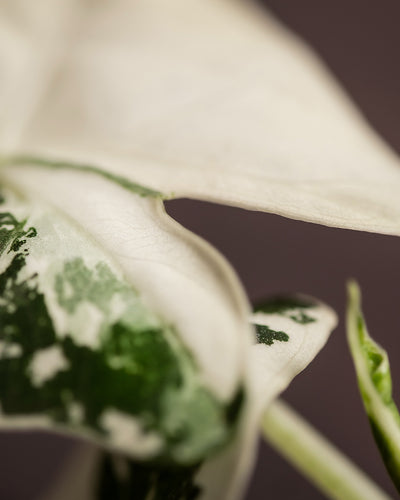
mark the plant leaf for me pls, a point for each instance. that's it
(290, 331)
(272, 367)
(103, 335)
(374, 380)
(211, 100)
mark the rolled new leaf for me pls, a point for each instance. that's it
(374, 380)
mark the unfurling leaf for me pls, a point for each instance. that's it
(373, 374)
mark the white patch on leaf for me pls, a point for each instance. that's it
(45, 364)
(85, 325)
(124, 429)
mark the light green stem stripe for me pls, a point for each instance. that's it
(324, 465)
(57, 164)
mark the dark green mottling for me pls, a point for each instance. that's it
(142, 371)
(22, 310)
(267, 336)
(234, 408)
(166, 483)
(13, 233)
(62, 165)
(290, 307)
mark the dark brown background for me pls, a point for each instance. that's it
(360, 41)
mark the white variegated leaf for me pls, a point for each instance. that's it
(302, 326)
(109, 282)
(114, 320)
(101, 289)
(291, 330)
(208, 99)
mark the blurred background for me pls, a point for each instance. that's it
(360, 42)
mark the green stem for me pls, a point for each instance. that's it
(324, 465)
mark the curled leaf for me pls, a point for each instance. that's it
(374, 380)
(103, 335)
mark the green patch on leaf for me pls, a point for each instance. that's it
(290, 307)
(375, 384)
(267, 336)
(77, 283)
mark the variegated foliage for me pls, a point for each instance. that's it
(121, 327)
(117, 324)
